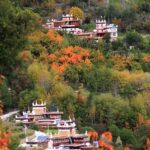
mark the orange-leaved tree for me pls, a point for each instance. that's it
(121, 62)
(93, 135)
(146, 58)
(65, 57)
(54, 37)
(25, 55)
(105, 141)
(5, 137)
(4, 140)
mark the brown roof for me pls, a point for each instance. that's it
(23, 118)
(36, 142)
(44, 123)
(74, 145)
(46, 120)
(35, 114)
(59, 137)
(53, 113)
(79, 136)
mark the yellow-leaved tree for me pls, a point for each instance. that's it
(44, 80)
(77, 13)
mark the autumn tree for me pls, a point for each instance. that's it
(54, 37)
(5, 136)
(93, 135)
(139, 104)
(77, 13)
(43, 79)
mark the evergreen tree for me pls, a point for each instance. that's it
(14, 26)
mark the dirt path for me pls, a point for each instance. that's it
(8, 115)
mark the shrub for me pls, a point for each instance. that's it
(128, 137)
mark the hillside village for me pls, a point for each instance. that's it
(71, 25)
(74, 74)
(56, 133)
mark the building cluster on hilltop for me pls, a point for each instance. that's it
(71, 25)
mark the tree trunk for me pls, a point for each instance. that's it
(106, 3)
(122, 3)
(89, 3)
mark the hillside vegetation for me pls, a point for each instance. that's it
(105, 85)
(128, 14)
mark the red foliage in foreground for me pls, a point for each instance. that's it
(147, 144)
(5, 140)
(93, 135)
(105, 143)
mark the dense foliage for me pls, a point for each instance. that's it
(105, 85)
(117, 11)
(14, 26)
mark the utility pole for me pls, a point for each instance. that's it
(25, 132)
(48, 130)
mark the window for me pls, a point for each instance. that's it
(114, 34)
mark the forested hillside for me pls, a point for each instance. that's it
(128, 14)
(105, 85)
